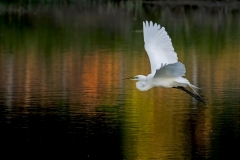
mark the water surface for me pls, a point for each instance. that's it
(61, 72)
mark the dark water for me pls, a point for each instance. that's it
(61, 69)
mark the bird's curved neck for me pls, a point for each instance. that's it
(143, 85)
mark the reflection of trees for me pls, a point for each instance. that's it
(109, 14)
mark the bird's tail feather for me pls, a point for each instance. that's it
(195, 95)
(194, 88)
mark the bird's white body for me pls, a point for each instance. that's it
(147, 82)
(166, 71)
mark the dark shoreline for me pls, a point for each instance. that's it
(47, 5)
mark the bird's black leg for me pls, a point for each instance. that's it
(192, 94)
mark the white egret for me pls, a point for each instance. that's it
(166, 71)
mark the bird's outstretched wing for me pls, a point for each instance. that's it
(173, 70)
(158, 45)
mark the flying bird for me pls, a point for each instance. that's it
(166, 71)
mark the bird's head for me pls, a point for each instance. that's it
(138, 78)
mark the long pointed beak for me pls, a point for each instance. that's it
(127, 78)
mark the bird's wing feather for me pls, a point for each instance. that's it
(170, 71)
(158, 45)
